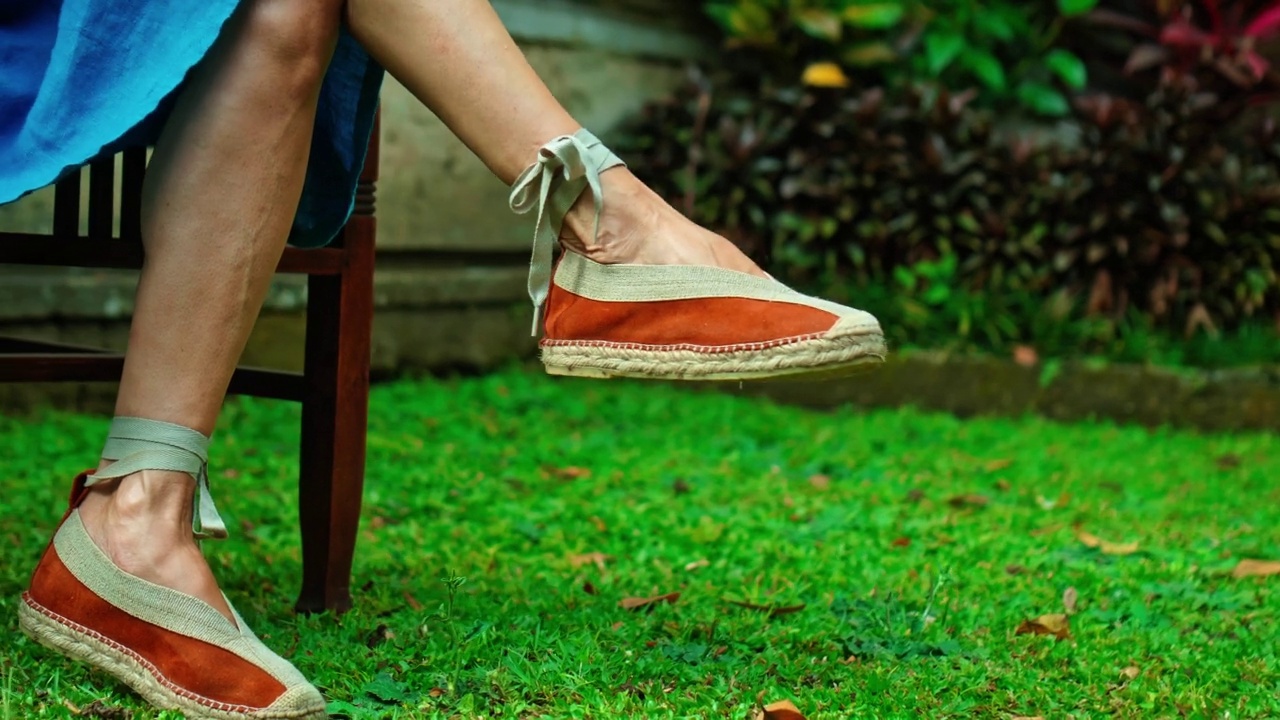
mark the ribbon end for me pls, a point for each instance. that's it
(537, 320)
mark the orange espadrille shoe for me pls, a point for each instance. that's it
(674, 322)
(175, 650)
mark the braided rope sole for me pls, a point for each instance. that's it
(85, 645)
(817, 356)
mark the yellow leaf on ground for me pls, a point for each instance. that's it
(1106, 546)
(998, 465)
(1057, 625)
(592, 558)
(1256, 568)
(825, 74)
(1130, 672)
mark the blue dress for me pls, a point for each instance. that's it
(82, 79)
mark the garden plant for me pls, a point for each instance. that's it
(1139, 215)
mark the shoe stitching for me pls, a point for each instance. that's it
(708, 349)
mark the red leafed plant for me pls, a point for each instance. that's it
(1186, 38)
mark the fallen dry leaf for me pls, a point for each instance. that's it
(773, 610)
(435, 692)
(1130, 672)
(379, 635)
(1069, 598)
(1003, 485)
(1229, 461)
(1256, 568)
(413, 601)
(998, 465)
(98, 710)
(631, 689)
(1026, 356)
(649, 602)
(690, 567)
(1014, 569)
(821, 482)
(1058, 502)
(592, 558)
(1047, 529)
(1057, 625)
(573, 472)
(599, 524)
(901, 542)
(968, 500)
(781, 710)
(1107, 547)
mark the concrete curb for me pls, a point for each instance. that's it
(1237, 399)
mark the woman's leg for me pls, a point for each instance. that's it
(215, 220)
(458, 59)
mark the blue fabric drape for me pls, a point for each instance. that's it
(80, 79)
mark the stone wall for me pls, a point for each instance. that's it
(451, 270)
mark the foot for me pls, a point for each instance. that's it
(143, 523)
(639, 227)
(645, 293)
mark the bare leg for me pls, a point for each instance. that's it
(215, 220)
(458, 59)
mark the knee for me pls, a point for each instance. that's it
(294, 36)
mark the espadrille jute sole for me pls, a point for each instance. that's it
(814, 359)
(81, 643)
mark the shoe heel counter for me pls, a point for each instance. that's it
(44, 579)
(79, 489)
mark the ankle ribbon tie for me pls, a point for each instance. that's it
(137, 444)
(566, 166)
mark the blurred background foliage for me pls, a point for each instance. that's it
(1081, 176)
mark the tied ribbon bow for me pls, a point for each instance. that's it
(566, 166)
(137, 444)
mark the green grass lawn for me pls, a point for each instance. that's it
(903, 549)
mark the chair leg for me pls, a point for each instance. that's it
(334, 423)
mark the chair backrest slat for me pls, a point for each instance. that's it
(132, 173)
(102, 197)
(66, 206)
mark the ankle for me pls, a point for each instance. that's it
(630, 209)
(153, 495)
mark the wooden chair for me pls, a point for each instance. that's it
(333, 387)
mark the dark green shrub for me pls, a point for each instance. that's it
(1143, 212)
